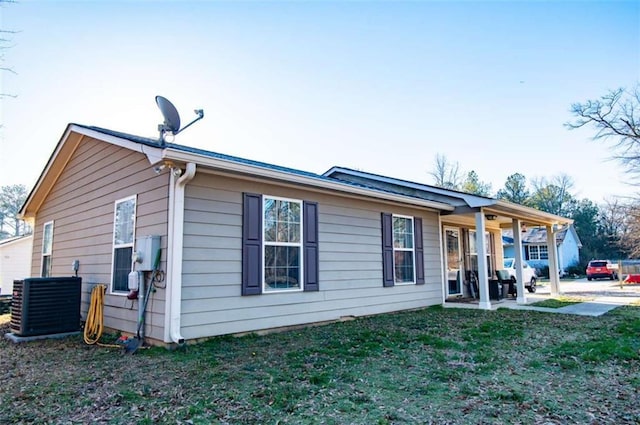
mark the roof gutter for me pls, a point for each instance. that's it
(176, 223)
(234, 167)
(532, 212)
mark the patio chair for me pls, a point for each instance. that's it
(504, 278)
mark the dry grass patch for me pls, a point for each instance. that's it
(562, 301)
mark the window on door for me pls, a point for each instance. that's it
(454, 261)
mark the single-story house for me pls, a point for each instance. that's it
(15, 261)
(249, 246)
(535, 249)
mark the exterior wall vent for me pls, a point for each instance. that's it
(48, 305)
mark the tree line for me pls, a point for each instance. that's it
(608, 230)
(602, 228)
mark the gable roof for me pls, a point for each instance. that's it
(463, 202)
(538, 235)
(157, 151)
(346, 181)
(15, 239)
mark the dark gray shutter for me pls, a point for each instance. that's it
(526, 252)
(251, 244)
(310, 242)
(419, 250)
(387, 250)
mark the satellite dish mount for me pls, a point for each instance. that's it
(172, 118)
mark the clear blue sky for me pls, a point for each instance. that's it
(382, 86)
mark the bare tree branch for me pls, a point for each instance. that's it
(8, 69)
(614, 117)
(446, 174)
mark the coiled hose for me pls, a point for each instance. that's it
(94, 325)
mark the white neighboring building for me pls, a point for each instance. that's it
(15, 261)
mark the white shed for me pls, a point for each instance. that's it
(15, 261)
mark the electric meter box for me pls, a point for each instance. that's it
(146, 251)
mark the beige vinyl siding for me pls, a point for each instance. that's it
(81, 205)
(350, 264)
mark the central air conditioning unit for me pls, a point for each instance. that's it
(45, 305)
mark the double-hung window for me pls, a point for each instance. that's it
(402, 250)
(283, 255)
(473, 251)
(403, 254)
(47, 248)
(533, 252)
(544, 253)
(279, 245)
(537, 252)
(123, 237)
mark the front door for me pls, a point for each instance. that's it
(454, 260)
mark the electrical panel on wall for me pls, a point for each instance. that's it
(145, 253)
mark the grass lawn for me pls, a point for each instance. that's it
(428, 366)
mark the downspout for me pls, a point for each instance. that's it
(177, 234)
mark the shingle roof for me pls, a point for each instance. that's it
(409, 188)
(534, 235)
(158, 144)
(210, 154)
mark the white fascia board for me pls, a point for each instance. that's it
(269, 173)
(153, 155)
(534, 212)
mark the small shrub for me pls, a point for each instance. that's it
(543, 271)
(575, 270)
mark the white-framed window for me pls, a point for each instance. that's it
(538, 252)
(403, 250)
(124, 225)
(544, 253)
(47, 249)
(282, 244)
(473, 251)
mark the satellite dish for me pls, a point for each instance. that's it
(170, 114)
(172, 118)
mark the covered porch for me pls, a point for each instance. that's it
(473, 266)
(466, 257)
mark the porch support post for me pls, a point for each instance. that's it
(517, 249)
(554, 279)
(483, 280)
